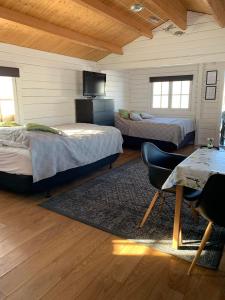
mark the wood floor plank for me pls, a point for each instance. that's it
(51, 274)
(103, 267)
(22, 222)
(30, 248)
(125, 259)
(33, 230)
(51, 250)
(150, 270)
(2, 296)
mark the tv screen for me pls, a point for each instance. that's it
(93, 83)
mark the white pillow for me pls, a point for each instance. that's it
(146, 116)
(135, 116)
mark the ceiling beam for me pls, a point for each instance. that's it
(70, 35)
(173, 9)
(218, 10)
(119, 15)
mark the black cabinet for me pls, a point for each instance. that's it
(95, 111)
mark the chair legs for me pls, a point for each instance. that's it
(205, 238)
(148, 211)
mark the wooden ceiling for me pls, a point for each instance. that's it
(92, 29)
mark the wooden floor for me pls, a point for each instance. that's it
(47, 256)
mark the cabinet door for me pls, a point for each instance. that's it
(104, 118)
(84, 111)
(109, 105)
(98, 105)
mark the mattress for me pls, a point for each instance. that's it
(15, 161)
(43, 155)
(165, 129)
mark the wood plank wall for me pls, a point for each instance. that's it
(117, 87)
(49, 83)
(203, 41)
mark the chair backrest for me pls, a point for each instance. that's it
(211, 203)
(151, 154)
(157, 162)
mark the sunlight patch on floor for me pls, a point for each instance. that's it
(130, 248)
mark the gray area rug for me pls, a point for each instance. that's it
(116, 201)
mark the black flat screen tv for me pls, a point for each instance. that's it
(93, 84)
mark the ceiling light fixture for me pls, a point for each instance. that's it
(136, 7)
(179, 33)
(169, 28)
(154, 19)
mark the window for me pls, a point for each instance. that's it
(180, 94)
(171, 92)
(7, 106)
(160, 95)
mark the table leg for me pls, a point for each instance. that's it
(177, 232)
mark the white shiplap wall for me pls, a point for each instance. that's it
(210, 111)
(140, 88)
(201, 48)
(117, 87)
(203, 41)
(47, 86)
(49, 83)
(47, 95)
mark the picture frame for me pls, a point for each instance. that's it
(210, 92)
(211, 77)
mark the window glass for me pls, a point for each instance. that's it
(171, 94)
(156, 101)
(7, 106)
(160, 95)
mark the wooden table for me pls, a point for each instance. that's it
(177, 227)
(193, 172)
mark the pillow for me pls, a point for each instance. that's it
(8, 124)
(135, 116)
(40, 127)
(146, 116)
(124, 113)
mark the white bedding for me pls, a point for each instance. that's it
(157, 128)
(47, 154)
(15, 161)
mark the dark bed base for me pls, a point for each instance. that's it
(24, 183)
(135, 142)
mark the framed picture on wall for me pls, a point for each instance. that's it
(211, 77)
(210, 93)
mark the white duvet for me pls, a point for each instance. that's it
(51, 153)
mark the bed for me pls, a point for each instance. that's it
(166, 133)
(37, 161)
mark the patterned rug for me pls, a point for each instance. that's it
(116, 201)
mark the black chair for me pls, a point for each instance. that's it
(211, 205)
(160, 165)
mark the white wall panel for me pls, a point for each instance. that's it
(49, 83)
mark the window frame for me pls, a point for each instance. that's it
(170, 108)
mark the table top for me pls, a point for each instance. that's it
(196, 169)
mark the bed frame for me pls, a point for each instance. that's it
(135, 142)
(24, 183)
